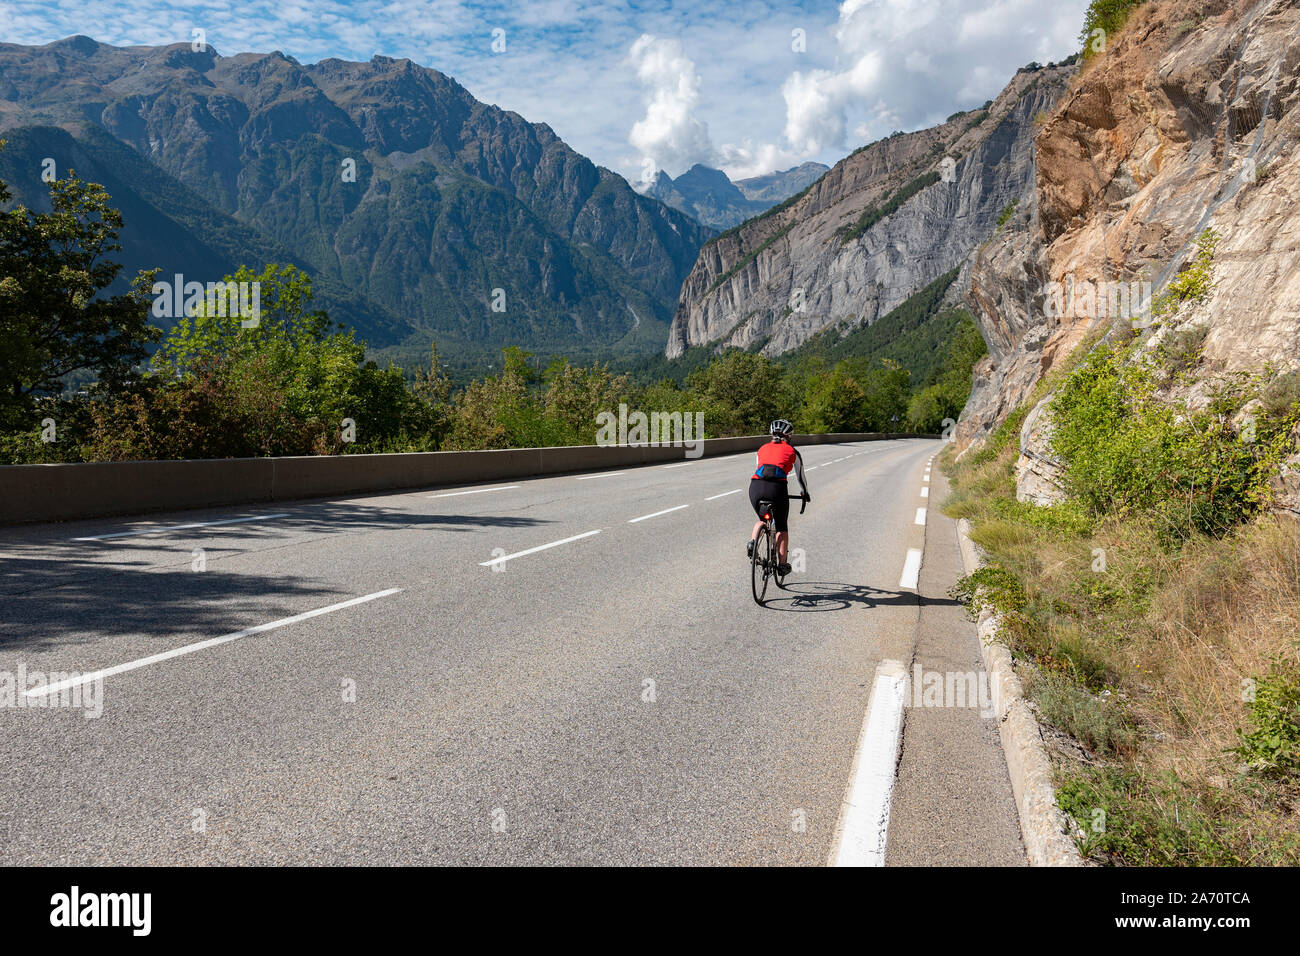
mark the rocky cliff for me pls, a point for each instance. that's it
(877, 227)
(1188, 121)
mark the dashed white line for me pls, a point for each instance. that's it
(734, 491)
(47, 689)
(863, 829)
(476, 491)
(925, 492)
(603, 474)
(920, 516)
(911, 569)
(540, 547)
(656, 514)
(181, 527)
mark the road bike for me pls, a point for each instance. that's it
(763, 563)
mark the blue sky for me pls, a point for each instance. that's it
(638, 86)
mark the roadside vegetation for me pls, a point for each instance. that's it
(1154, 609)
(87, 376)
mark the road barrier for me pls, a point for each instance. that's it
(65, 492)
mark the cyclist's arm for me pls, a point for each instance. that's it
(798, 471)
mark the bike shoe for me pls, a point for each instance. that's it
(783, 569)
(749, 550)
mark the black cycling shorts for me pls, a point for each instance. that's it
(760, 489)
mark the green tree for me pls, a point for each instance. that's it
(835, 402)
(742, 393)
(55, 318)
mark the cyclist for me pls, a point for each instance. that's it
(769, 483)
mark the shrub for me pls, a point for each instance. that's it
(1193, 282)
(1126, 451)
(1271, 743)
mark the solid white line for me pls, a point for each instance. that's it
(656, 514)
(863, 829)
(607, 474)
(735, 491)
(920, 516)
(925, 492)
(182, 527)
(202, 645)
(540, 547)
(680, 464)
(476, 491)
(911, 569)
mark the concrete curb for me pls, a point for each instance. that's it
(1043, 825)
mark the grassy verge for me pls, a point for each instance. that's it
(1153, 612)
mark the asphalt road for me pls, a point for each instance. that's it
(615, 699)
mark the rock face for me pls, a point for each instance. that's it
(814, 262)
(387, 181)
(1189, 121)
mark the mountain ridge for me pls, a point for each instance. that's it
(452, 199)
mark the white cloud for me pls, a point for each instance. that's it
(908, 63)
(669, 137)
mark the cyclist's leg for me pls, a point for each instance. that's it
(759, 490)
(781, 514)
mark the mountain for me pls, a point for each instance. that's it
(879, 226)
(706, 195)
(779, 186)
(1186, 123)
(407, 200)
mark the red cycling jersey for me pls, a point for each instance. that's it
(779, 455)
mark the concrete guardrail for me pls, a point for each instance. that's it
(64, 492)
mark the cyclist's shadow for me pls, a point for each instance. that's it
(827, 596)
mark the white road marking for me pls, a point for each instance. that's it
(540, 547)
(201, 645)
(182, 527)
(812, 468)
(604, 474)
(920, 516)
(476, 491)
(680, 464)
(925, 492)
(911, 569)
(656, 514)
(863, 829)
(735, 491)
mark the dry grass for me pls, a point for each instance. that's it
(1143, 663)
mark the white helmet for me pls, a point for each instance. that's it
(780, 429)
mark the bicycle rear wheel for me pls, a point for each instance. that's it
(760, 565)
